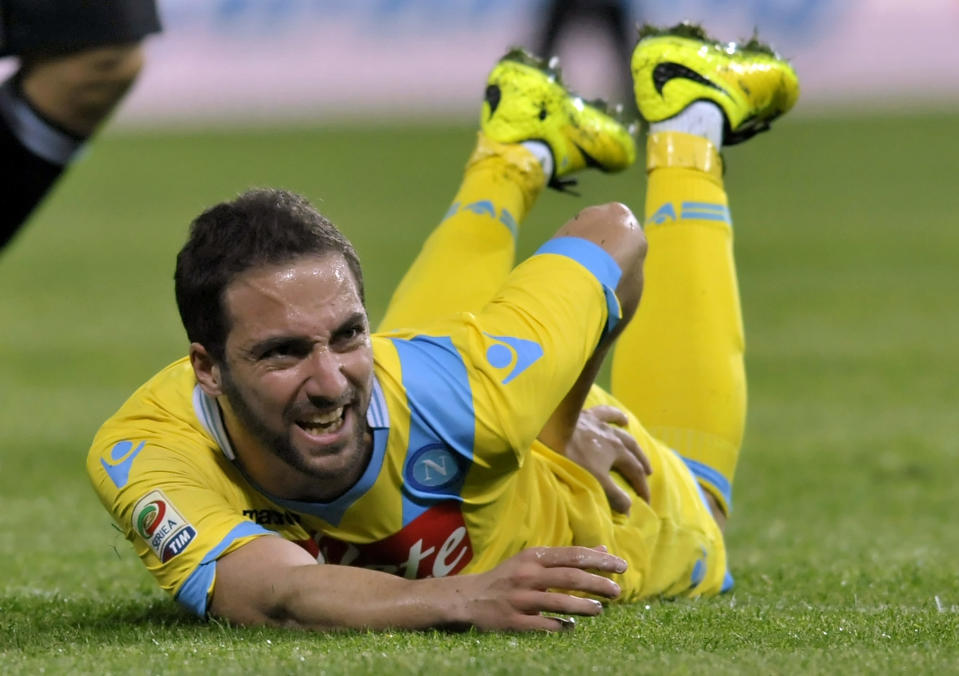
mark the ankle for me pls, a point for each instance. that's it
(700, 118)
(685, 151)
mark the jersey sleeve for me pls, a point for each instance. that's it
(489, 381)
(175, 514)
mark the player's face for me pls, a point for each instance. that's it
(298, 376)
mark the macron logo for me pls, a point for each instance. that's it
(512, 352)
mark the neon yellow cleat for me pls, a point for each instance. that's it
(526, 101)
(676, 66)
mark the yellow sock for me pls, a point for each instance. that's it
(679, 364)
(468, 256)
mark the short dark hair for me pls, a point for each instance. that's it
(259, 227)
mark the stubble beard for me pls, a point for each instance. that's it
(278, 443)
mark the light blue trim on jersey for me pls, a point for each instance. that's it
(595, 259)
(208, 413)
(193, 593)
(713, 478)
(378, 415)
(442, 422)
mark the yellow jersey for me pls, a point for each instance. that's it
(456, 482)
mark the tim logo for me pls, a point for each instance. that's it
(162, 527)
(435, 544)
(516, 354)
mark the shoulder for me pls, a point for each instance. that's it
(157, 426)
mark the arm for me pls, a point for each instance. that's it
(273, 581)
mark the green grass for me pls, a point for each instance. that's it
(842, 542)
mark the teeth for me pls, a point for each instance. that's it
(328, 422)
(327, 418)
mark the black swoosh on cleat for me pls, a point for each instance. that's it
(669, 70)
(492, 97)
(589, 159)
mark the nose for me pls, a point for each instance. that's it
(326, 379)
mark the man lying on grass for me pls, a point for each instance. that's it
(296, 470)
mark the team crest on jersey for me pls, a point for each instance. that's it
(435, 544)
(433, 468)
(161, 526)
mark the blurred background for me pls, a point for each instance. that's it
(222, 61)
(846, 238)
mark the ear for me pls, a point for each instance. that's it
(206, 370)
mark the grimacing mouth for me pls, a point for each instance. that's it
(325, 422)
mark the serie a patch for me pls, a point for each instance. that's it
(161, 526)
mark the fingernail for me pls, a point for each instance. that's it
(567, 623)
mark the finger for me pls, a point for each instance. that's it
(557, 602)
(573, 580)
(537, 622)
(631, 470)
(619, 500)
(609, 414)
(577, 557)
(629, 441)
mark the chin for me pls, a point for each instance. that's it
(342, 462)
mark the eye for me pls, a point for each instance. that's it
(285, 350)
(351, 334)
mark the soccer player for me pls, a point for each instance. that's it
(77, 59)
(291, 437)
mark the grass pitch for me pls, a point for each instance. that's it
(842, 541)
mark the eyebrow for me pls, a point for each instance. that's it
(267, 344)
(354, 318)
(262, 347)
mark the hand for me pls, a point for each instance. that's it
(599, 446)
(513, 595)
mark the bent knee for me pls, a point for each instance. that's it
(610, 214)
(609, 210)
(612, 226)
